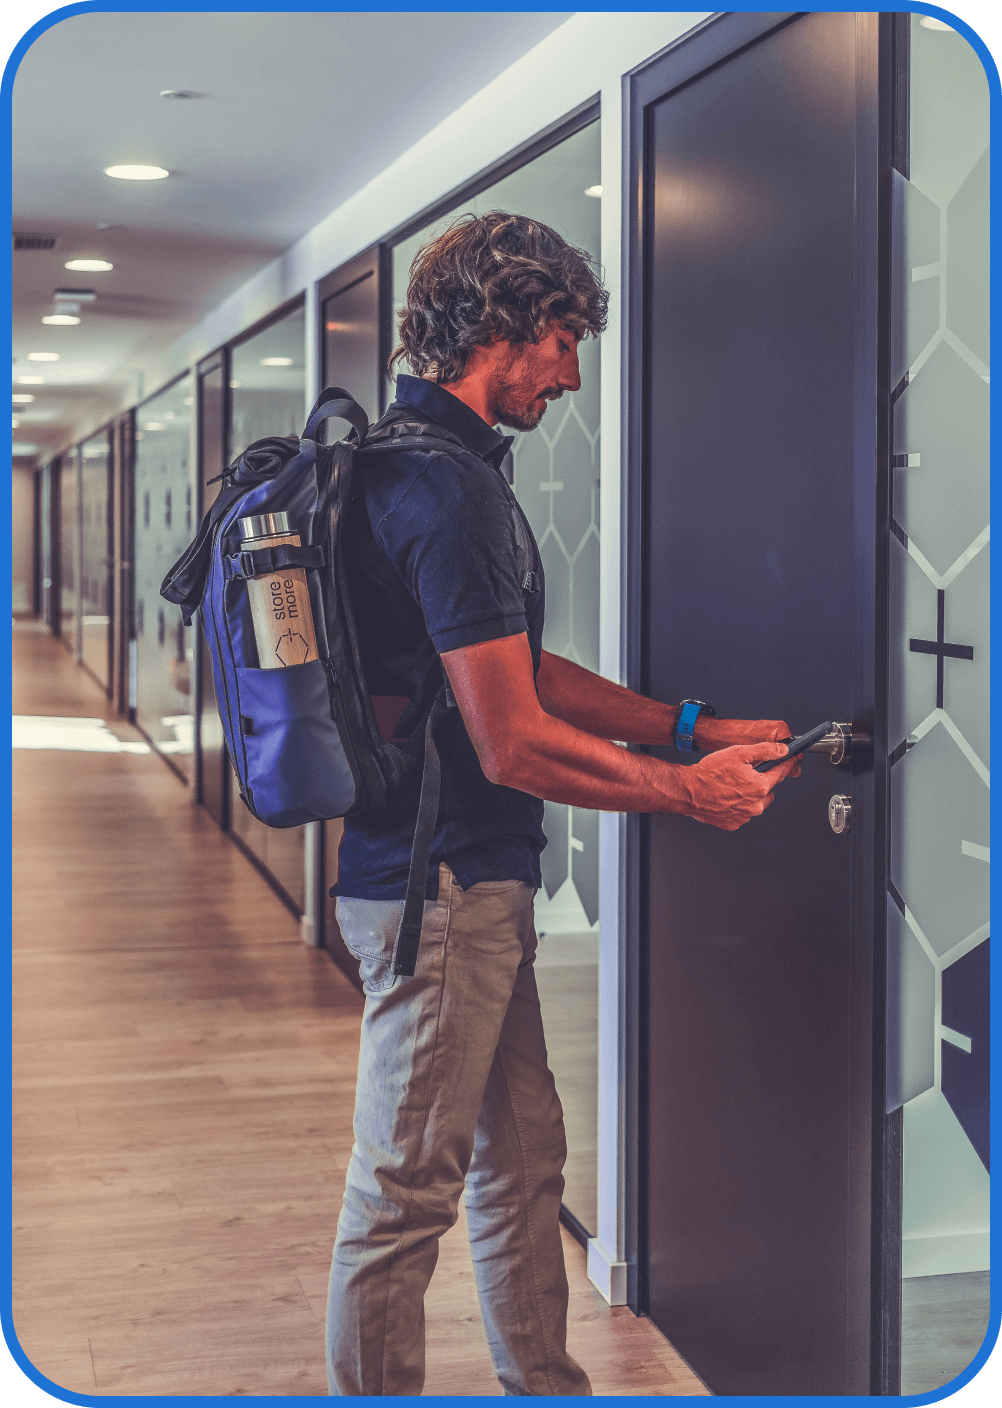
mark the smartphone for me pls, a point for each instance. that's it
(796, 745)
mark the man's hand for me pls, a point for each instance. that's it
(725, 789)
(520, 744)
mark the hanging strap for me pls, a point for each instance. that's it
(335, 401)
(409, 934)
(259, 562)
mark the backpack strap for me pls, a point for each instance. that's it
(335, 401)
(258, 562)
(405, 948)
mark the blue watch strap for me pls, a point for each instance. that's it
(687, 717)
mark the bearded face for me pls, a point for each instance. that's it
(522, 386)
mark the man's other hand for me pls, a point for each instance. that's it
(725, 789)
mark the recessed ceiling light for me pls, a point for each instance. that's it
(136, 173)
(927, 22)
(234, 385)
(276, 361)
(60, 320)
(153, 425)
(189, 400)
(31, 381)
(88, 266)
(595, 191)
(21, 447)
(22, 398)
(43, 356)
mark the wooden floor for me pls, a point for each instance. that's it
(944, 1320)
(183, 1080)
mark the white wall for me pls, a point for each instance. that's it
(22, 522)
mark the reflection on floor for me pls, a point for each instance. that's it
(183, 1078)
(567, 977)
(944, 1321)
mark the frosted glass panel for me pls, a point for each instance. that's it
(938, 934)
(268, 383)
(164, 526)
(69, 550)
(268, 397)
(555, 473)
(96, 560)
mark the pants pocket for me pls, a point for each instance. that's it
(369, 929)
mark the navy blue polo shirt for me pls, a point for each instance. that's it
(432, 562)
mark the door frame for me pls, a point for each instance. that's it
(875, 1227)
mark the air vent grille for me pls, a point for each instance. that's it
(29, 242)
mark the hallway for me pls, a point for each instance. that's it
(183, 1079)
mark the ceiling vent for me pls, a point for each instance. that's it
(35, 242)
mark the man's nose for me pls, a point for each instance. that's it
(570, 375)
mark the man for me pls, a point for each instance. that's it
(453, 1085)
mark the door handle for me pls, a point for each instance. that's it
(837, 743)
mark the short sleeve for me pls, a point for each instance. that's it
(451, 538)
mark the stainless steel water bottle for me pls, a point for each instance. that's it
(279, 601)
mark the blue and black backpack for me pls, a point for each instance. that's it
(304, 741)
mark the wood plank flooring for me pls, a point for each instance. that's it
(183, 1080)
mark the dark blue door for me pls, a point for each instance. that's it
(757, 524)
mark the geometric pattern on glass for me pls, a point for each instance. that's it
(95, 565)
(940, 557)
(164, 528)
(939, 802)
(911, 989)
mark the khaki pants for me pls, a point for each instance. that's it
(453, 1088)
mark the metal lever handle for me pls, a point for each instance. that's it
(837, 744)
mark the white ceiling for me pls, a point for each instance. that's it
(299, 112)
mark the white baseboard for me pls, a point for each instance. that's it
(309, 932)
(944, 1254)
(606, 1275)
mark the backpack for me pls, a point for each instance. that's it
(303, 740)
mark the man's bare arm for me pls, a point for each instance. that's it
(596, 705)
(521, 745)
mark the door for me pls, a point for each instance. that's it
(755, 145)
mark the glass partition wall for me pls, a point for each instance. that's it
(937, 907)
(555, 475)
(164, 526)
(97, 557)
(69, 552)
(267, 396)
(49, 543)
(213, 764)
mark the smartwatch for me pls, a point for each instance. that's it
(689, 712)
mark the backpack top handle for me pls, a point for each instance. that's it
(334, 401)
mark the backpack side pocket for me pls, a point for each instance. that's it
(296, 767)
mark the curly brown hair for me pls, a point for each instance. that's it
(494, 276)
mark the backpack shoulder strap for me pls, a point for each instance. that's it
(334, 402)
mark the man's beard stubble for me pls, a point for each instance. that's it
(516, 396)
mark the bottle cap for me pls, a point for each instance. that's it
(264, 525)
